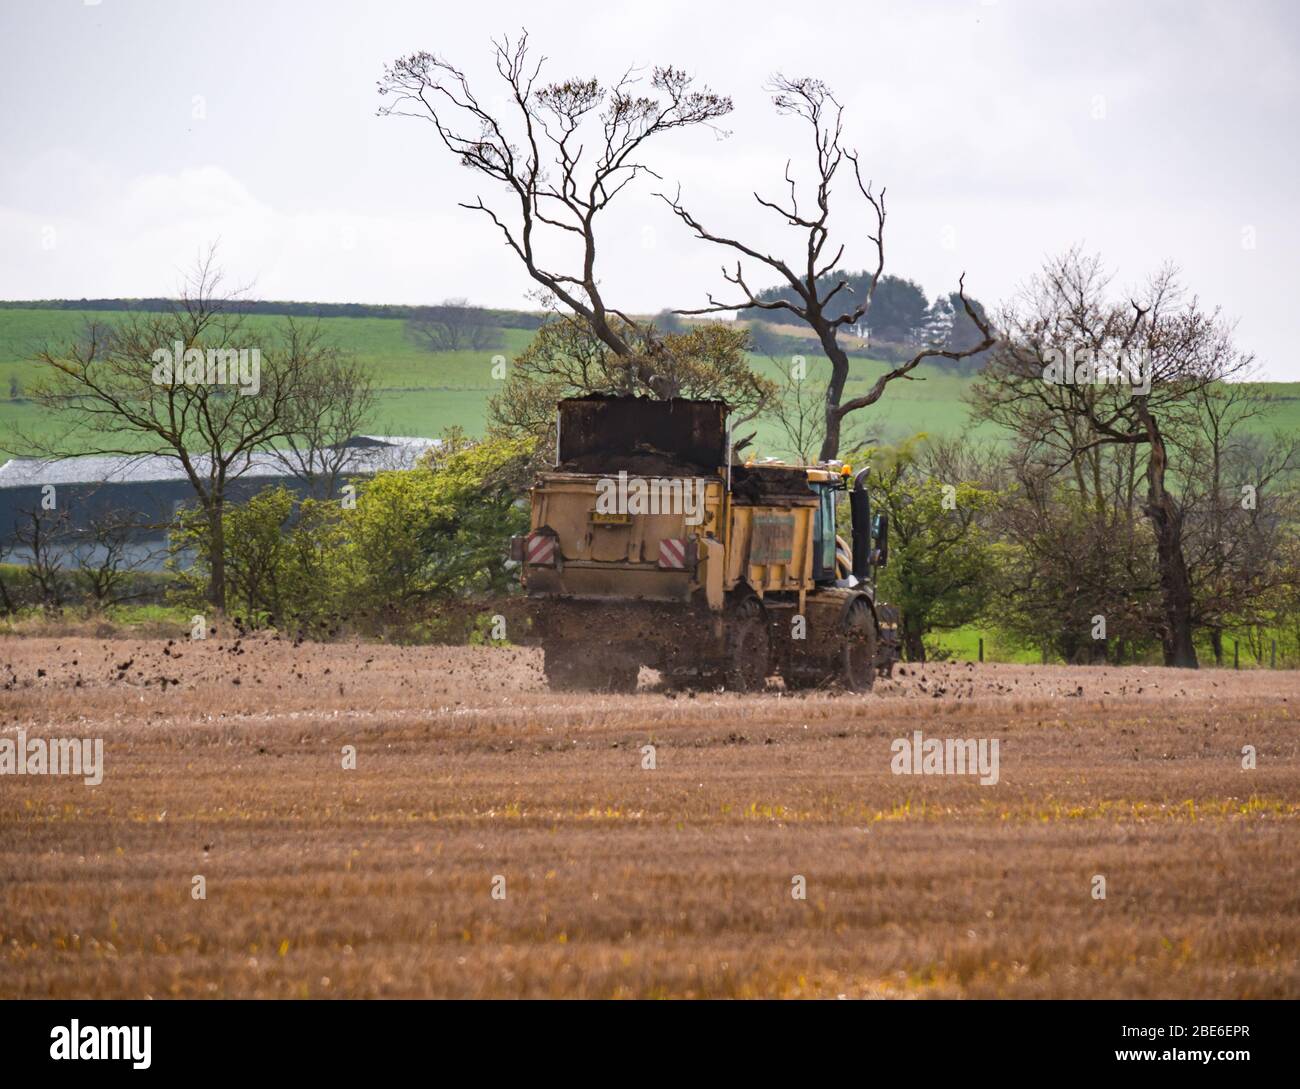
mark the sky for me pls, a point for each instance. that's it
(135, 133)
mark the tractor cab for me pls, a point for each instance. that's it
(835, 561)
(825, 540)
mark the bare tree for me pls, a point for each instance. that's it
(1240, 506)
(1174, 350)
(562, 151)
(105, 560)
(812, 275)
(453, 326)
(40, 537)
(336, 406)
(119, 390)
(798, 408)
(1075, 554)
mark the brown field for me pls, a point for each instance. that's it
(624, 882)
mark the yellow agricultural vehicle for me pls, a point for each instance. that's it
(650, 546)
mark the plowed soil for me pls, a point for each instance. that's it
(495, 839)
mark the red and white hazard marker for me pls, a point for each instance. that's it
(541, 550)
(672, 553)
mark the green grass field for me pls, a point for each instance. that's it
(962, 645)
(423, 393)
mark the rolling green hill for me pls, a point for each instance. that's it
(425, 392)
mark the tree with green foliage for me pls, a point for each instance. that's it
(1080, 368)
(566, 359)
(111, 393)
(899, 307)
(414, 538)
(941, 560)
(441, 530)
(287, 562)
(1068, 556)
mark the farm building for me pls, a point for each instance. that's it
(82, 494)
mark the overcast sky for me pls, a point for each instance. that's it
(134, 132)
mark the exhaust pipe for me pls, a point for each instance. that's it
(860, 509)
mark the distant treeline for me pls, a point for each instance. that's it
(505, 319)
(901, 319)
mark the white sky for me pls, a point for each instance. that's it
(978, 115)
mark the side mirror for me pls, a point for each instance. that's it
(881, 536)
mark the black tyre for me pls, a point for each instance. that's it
(749, 647)
(858, 655)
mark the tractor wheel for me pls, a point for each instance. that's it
(749, 647)
(858, 655)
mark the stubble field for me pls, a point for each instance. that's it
(616, 880)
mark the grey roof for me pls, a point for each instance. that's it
(381, 452)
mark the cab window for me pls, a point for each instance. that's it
(824, 533)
